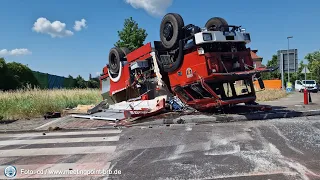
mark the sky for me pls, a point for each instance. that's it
(74, 37)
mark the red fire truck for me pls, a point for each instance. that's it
(201, 66)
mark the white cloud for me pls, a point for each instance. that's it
(78, 25)
(54, 29)
(153, 7)
(14, 52)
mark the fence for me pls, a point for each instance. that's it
(49, 81)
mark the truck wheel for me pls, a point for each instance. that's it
(115, 56)
(125, 50)
(214, 23)
(171, 30)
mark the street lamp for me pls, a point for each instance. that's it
(288, 59)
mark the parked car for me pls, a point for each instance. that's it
(311, 85)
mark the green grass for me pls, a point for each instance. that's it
(31, 103)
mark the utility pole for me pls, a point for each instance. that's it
(288, 59)
(305, 73)
(282, 70)
(294, 60)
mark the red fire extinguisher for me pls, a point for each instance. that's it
(305, 96)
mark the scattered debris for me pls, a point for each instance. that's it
(176, 104)
(80, 109)
(125, 113)
(99, 107)
(54, 128)
(50, 115)
(181, 121)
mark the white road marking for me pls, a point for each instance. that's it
(59, 119)
(109, 131)
(57, 151)
(59, 140)
(96, 159)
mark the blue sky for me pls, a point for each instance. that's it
(86, 51)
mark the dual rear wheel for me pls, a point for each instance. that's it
(171, 29)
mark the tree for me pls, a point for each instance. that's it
(273, 62)
(314, 56)
(94, 83)
(314, 64)
(3, 73)
(131, 36)
(301, 66)
(70, 77)
(18, 76)
(80, 83)
(275, 74)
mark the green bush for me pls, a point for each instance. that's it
(3, 73)
(15, 75)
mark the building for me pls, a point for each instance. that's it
(257, 60)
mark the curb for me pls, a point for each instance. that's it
(60, 130)
(277, 115)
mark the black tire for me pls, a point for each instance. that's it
(178, 59)
(171, 30)
(115, 56)
(215, 22)
(125, 50)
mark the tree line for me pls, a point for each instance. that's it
(313, 65)
(14, 75)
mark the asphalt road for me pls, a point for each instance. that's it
(274, 149)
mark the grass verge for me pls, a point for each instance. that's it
(263, 95)
(31, 103)
(270, 94)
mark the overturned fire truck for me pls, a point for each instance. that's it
(200, 66)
